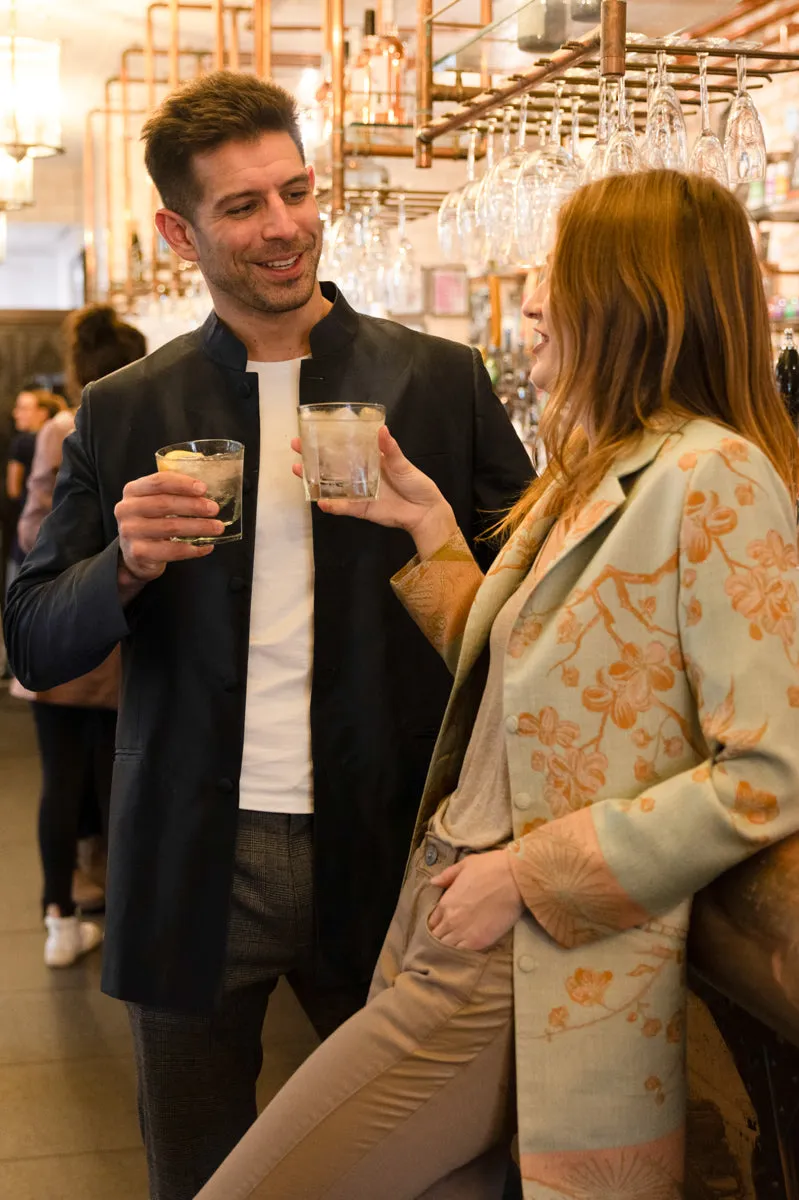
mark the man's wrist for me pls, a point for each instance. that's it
(129, 585)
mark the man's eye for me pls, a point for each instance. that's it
(297, 197)
(237, 212)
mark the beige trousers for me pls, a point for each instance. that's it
(412, 1097)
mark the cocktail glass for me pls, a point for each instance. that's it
(340, 452)
(219, 463)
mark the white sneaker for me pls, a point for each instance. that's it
(68, 938)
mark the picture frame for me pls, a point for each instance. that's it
(447, 291)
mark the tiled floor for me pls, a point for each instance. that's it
(68, 1128)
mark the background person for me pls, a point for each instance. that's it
(76, 721)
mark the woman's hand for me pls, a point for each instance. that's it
(481, 902)
(408, 500)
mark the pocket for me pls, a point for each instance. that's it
(429, 898)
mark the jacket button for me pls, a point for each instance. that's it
(237, 584)
(431, 855)
(512, 724)
(225, 785)
(245, 388)
(522, 800)
(526, 962)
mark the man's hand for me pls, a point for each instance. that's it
(152, 512)
(481, 902)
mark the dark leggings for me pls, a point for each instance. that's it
(76, 746)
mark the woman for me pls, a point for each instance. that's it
(33, 407)
(622, 729)
(76, 722)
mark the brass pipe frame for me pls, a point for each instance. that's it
(262, 35)
(337, 74)
(110, 209)
(235, 47)
(423, 157)
(376, 150)
(552, 68)
(174, 43)
(613, 39)
(486, 17)
(218, 19)
(90, 218)
(127, 182)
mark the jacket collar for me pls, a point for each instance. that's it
(333, 333)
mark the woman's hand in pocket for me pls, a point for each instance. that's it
(408, 499)
(481, 902)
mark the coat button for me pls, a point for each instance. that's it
(245, 388)
(225, 785)
(512, 724)
(522, 800)
(431, 855)
(526, 962)
(237, 584)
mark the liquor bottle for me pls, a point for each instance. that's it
(388, 71)
(136, 258)
(363, 77)
(788, 376)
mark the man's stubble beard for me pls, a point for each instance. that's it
(268, 300)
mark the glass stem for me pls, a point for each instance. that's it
(554, 133)
(401, 217)
(651, 84)
(623, 113)
(521, 136)
(661, 67)
(471, 161)
(741, 75)
(575, 133)
(602, 122)
(507, 122)
(492, 131)
(704, 93)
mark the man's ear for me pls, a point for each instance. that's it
(177, 233)
(312, 178)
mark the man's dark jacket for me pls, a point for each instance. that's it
(378, 690)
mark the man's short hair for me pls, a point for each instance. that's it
(225, 106)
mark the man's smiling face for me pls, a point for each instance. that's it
(256, 227)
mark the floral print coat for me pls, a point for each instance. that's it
(651, 720)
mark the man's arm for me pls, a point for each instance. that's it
(502, 466)
(64, 615)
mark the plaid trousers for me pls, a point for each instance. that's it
(197, 1073)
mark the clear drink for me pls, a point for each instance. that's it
(340, 454)
(219, 463)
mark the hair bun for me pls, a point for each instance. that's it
(94, 325)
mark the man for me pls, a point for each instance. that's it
(273, 737)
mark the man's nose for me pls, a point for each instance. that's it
(279, 222)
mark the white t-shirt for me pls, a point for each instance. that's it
(276, 774)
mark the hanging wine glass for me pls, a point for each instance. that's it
(622, 156)
(501, 199)
(666, 138)
(483, 196)
(448, 238)
(470, 232)
(542, 187)
(574, 137)
(405, 276)
(348, 260)
(744, 143)
(595, 163)
(375, 262)
(707, 156)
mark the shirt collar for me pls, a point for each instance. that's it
(333, 333)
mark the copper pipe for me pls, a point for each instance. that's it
(613, 43)
(453, 94)
(552, 68)
(486, 17)
(174, 42)
(218, 17)
(746, 6)
(110, 209)
(149, 60)
(337, 74)
(89, 220)
(325, 30)
(262, 33)
(127, 182)
(780, 14)
(424, 82)
(234, 41)
(376, 150)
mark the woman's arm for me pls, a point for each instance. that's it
(620, 862)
